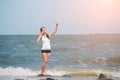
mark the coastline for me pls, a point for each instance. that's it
(52, 78)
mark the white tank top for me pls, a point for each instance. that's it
(46, 44)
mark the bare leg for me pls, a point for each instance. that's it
(43, 71)
(46, 57)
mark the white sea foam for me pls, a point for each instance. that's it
(116, 74)
(19, 71)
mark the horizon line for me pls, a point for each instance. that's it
(67, 34)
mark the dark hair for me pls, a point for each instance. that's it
(46, 33)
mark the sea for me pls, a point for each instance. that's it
(73, 57)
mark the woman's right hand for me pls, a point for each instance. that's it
(39, 37)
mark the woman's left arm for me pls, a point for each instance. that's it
(56, 29)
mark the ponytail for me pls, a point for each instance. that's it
(48, 36)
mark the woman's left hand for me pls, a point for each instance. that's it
(56, 23)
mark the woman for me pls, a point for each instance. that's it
(46, 48)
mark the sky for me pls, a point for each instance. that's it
(73, 16)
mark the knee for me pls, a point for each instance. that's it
(45, 61)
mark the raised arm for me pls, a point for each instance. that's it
(56, 29)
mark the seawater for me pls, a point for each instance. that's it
(94, 52)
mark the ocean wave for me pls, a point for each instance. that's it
(19, 71)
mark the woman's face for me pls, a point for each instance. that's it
(44, 30)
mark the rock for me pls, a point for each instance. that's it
(50, 79)
(104, 77)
